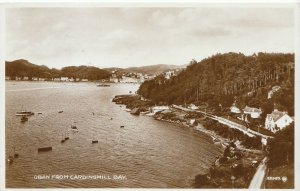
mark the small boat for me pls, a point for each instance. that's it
(94, 141)
(74, 127)
(39, 113)
(44, 149)
(60, 111)
(24, 113)
(122, 126)
(103, 85)
(12, 156)
(16, 155)
(66, 135)
(24, 118)
(10, 159)
(62, 138)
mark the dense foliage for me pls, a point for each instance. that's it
(232, 134)
(223, 77)
(23, 68)
(281, 148)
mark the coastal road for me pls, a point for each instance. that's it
(258, 177)
(227, 122)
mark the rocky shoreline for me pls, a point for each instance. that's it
(233, 169)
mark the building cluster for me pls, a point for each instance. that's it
(275, 121)
(59, 79)
(171, 73)
(136, 77)
(133, 77)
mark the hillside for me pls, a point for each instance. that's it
(22, 68)
(219, 79)
(153, 69)
(150, 70)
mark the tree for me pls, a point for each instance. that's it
(281, 148)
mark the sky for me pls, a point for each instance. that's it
(139, 36)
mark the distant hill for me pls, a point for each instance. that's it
(152, 69)
(112, 69)
(23, 68)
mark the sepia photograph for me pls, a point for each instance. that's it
(143, 95)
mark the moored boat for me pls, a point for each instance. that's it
(44, 149)
(74, 127)
(10, 159)
(16, 155)
(62, 138)
(66, 135)
(24, 113)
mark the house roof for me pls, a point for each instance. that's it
(275, 88)
(252, 109)
(233, 107)
(276, 115)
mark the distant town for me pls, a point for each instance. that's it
(133, 77)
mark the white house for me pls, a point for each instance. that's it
(141, 79)
(64, 79)
(114, 80)
(277, 120)
(254, 112)
(192, 106)
(34, 78)
(235, 109)
(56, 79)
(25, 78)
(84, 80)
(18, 78)
(7, 78)
(192, 121)
(169, 74)
(149, 76)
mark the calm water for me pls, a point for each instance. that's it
(150, 153)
